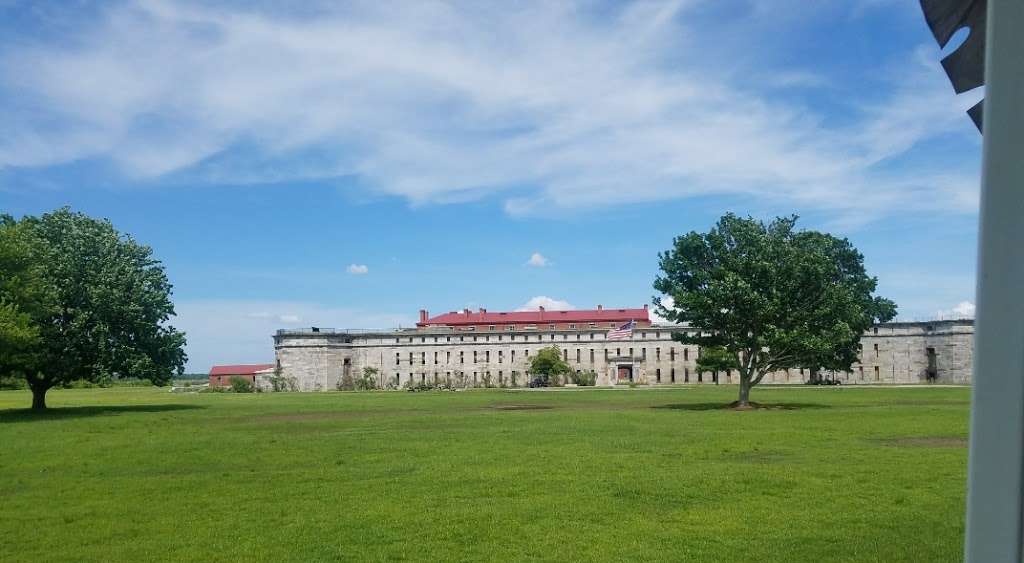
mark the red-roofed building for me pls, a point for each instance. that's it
(580, 319)
(220, 376)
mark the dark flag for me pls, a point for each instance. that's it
(965, 67)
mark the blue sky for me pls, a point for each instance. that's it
(347, 164)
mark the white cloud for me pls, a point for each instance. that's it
(668, 302)
(542, 102)
(357, 269)
(227, 331)
(962, 310)
(537, 260)
(548, 303)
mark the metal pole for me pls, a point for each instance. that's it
(994, 492)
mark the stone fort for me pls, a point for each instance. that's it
(481, 348)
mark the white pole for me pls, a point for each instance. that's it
(994, 492)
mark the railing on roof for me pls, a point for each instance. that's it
(329, 331)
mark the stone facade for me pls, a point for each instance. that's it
(318, 359)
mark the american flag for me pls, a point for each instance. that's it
(624, 331)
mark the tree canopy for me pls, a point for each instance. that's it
(88, 302)
(548, 364)
(715, 359)
(774, 297)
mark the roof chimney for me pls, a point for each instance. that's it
(482, 310)
(599, 307)
(645, 306)
(465, 311)
(423, 315)
(540, 308)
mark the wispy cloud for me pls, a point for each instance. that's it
(537, 260)
(544, 103)
(358, 269)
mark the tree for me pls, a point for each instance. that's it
(21, 298)
(108, 306)
(715, 359)
(549, 365)
(773, 297)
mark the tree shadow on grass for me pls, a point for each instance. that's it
(729, 407)
(61, 413)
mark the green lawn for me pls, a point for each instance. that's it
(140, 474)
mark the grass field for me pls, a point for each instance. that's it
(139, 474)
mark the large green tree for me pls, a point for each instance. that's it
(107, 305)
(776, 298)
(22, 298)
(549, 365)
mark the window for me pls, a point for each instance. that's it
(671, 354)
(876, 373)
(592, 325)
(410, 358)
(447, 338)
(876, 330)
(571, 325)
(487, 339)
(579, 336)
(630, 352)
(448, 357)
(551, 326)
(565, 354)
(657, 374)
(606, 354)
(462, 360)
(474, 356)
(643, 353)
(511, 328)
(540, 337)
(565, 337)
(591, 355)
(470, 328)
(490, 327)
(657, 354)
(673, 375)
(591, 335)
(500, 354)
(513, 356)
(686, 375)
(474, 339)
(552, 337)
(686, 354)
(577, 355)
(876, 350)
(499, 338)
(398, 359)
(487, 356)
(435, 340)
(410, 340)
(423, 358)
(396, 341)
(512, 337)
(618, 352)
(435, 358)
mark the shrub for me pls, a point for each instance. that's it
(368, 381)
(584, 378)
(11, 382)
(214, 389)
(240, 385)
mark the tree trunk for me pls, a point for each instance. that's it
(39, 398)
(744, 391)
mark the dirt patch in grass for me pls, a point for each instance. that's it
(735, 407)
(926, 442)
(521, 407)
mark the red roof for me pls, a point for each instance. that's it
(536, 317)
(239, 369)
